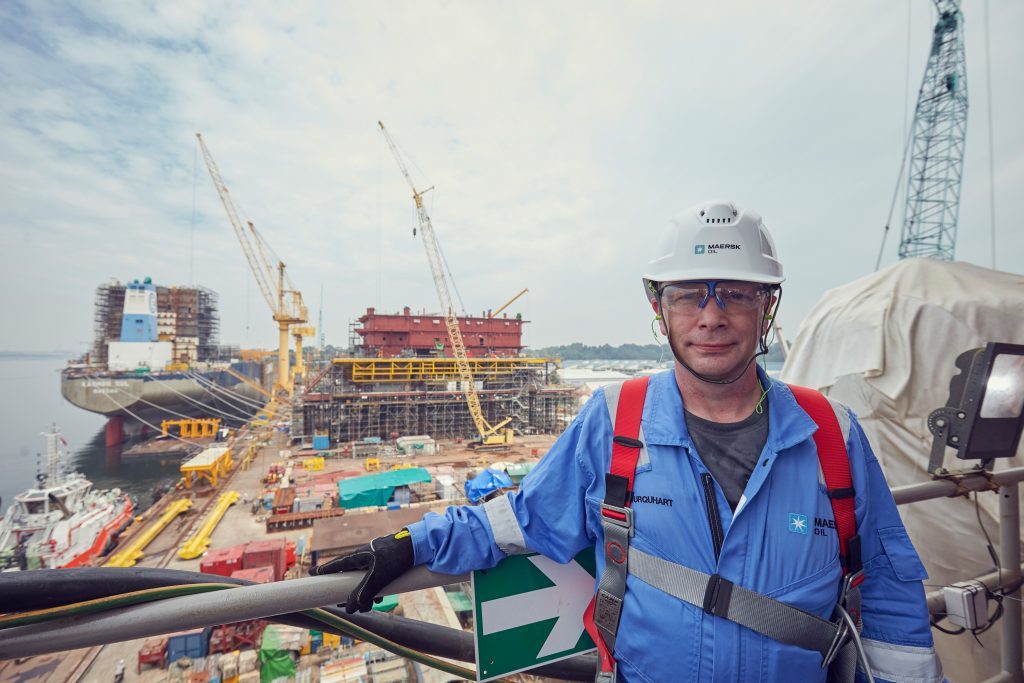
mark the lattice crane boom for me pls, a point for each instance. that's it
(939, 136)
(236, 224)
(489, 434)
(285, 304)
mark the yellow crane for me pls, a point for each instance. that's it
(490, 435)
(299, 330)
(285, 304)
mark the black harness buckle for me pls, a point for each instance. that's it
(717, 596)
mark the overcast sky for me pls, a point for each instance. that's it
(560, 138)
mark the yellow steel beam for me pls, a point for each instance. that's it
(133, 551)
(431, 369)
(197, 544)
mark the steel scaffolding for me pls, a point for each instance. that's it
(359, 398)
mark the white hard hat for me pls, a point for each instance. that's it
(714, 241)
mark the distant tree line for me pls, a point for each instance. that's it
(578, 351)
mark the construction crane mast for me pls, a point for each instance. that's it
(939, 135)
(490, 435)
(285, 303)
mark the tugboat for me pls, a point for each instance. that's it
(61, 521)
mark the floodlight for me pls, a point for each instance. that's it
(984, 415)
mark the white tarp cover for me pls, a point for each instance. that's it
(885, 345)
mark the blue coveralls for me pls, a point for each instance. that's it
(781, 541)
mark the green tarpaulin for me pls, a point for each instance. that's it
(276, 654)
(518, 470)
(389, 603)
(377, 489)
(460, 601)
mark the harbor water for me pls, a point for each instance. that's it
(32, 402)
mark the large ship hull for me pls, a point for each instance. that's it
(152, 397)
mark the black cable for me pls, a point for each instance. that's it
(991, 548)
(45, 588)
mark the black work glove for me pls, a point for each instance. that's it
(384, 559)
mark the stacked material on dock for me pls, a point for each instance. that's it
(375, 490)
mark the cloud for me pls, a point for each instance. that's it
(559, 140)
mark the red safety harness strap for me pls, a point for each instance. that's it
(626, 448)
(835, 466)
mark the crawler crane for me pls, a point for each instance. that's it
(490, 435)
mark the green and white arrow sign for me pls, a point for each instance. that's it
(528, 611)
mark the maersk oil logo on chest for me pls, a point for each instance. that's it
(714, 248)
(798, 524)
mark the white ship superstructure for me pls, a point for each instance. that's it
(61, 521)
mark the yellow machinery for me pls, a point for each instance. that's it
(313, 464)
(372, 464)
(285, 304)
(194, 428)
(133, 551)
(210, 466)
(490, 435)
(197, 544)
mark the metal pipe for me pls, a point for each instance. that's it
(196, 611)
(1009, 550)
(943, 488)
(992, 581)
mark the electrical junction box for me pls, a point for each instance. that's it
(966, 604)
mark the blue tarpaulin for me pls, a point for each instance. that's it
(486, 482)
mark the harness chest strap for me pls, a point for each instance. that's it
(712, 593)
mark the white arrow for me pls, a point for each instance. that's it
(567, 600)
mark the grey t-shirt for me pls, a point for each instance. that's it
(730, 450)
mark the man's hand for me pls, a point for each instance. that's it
(384, 559)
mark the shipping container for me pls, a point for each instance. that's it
(192, 644)
(256, 575)
(265, 553)
(222, 561)
(321, 443)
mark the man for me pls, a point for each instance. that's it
(727, 493)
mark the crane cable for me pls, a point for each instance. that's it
(908, 132)
(172, 412)
(198, 403)
(991, 154)
(234, 399)
(148, 424)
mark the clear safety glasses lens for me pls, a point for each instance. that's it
(688, 298)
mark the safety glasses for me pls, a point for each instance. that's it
(689, 298)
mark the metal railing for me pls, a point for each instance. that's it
(1006, 484)
(269, 600)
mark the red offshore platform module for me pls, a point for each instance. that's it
(424, 334)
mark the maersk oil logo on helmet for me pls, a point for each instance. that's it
(699, 249)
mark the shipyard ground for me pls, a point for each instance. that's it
(239, 524)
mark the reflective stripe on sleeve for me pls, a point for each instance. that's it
(902, 663)
(508, 536)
